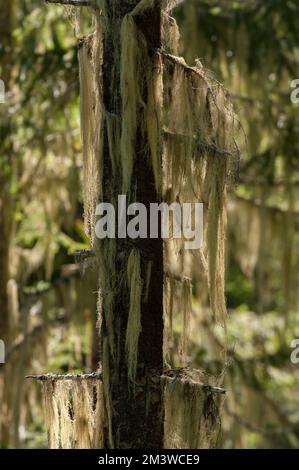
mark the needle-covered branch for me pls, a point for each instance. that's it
(169, 375)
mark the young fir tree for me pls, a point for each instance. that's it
(156, 130)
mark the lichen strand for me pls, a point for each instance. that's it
(134, 319)
(90, 55)
(139, 70)
(131, 79)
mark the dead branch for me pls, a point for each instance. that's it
(73, 3)
(180, 61)
(30, 292)
(170, 375)
(54, 377)
(177, 277)
(202, 145)
(83, 254)
(181, 375)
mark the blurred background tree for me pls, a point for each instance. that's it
(41, 211)
(46, 317)
(252, 47)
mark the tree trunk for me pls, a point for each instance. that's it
(6, 218)
(134, 412)
(5, 170)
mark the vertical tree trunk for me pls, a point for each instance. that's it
(6, 216)
(134, 412)
(5, 170)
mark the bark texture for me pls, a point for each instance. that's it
(136, 409)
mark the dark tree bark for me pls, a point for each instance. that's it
(137, 415)
(6, 217)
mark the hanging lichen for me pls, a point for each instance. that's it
(90, 52)
(191, 412)
(153, 118)
(199, 125)
(108, 285)
(140, 109)
(134, 318)
(186, 307)
(216, 236)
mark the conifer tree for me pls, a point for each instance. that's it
(155, 130)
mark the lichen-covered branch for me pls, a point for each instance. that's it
(188, 381)
(54, 377)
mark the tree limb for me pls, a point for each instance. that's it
(184, 376)
(74, 3)
(44, 377)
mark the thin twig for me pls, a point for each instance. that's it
(82, 254)
(204, 387)
(180, 375)
(177, 277)
(203, 76)
(74, 3)
(98, 376)
(181, 62)
(208, 147)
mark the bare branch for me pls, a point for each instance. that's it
(83, 254)
(184, 377)
(74, 3)
(172, 4)
(54, 377)
(208, 147)
(258, 203)
(177, 277)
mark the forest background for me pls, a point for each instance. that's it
(251, 47)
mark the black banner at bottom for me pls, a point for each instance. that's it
(133, 458)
